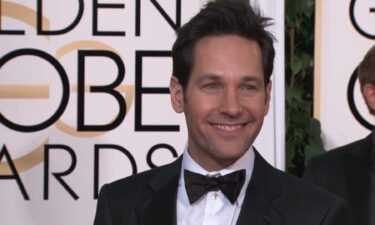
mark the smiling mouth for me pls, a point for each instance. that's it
(228, 127)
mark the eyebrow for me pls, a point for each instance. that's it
(209, 77)
(252, 78)
(215, 77)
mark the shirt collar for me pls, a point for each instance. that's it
(245, 162)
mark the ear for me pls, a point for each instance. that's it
(268, 97)
(368, 91)
(177, 95)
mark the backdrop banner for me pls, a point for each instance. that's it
(344, 33)
(84, 100)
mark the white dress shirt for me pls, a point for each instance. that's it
(213, 208)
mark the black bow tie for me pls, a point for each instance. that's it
(198, 185)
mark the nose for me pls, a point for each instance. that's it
(231, 104)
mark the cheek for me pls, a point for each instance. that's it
(201, 104)
(198, 111)
(257, 108)
(199, 116)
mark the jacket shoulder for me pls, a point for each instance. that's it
(118, 200)
(141, 181)
(275, 182)
(303, 200)
(336, 155)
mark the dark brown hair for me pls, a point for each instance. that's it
(366, 72)
(222, 18)
(366, 69)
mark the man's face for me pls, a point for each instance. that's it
(225, 100)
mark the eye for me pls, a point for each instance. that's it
(211, 87)
(249, 87)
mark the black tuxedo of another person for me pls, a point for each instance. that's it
(272, 198)
(346, 172)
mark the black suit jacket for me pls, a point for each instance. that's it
(345, 171)
(272, 198)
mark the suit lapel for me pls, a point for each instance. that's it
(160, 209)
(257, 208)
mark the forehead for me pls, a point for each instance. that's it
(227, 55)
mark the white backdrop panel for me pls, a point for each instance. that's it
(67, 54)
(345, 32)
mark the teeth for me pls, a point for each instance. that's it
(228, 127)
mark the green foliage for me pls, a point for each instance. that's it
(302, 131)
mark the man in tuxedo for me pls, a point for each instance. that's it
(349, 171)
(222, 63)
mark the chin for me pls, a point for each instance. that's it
(231, 157)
